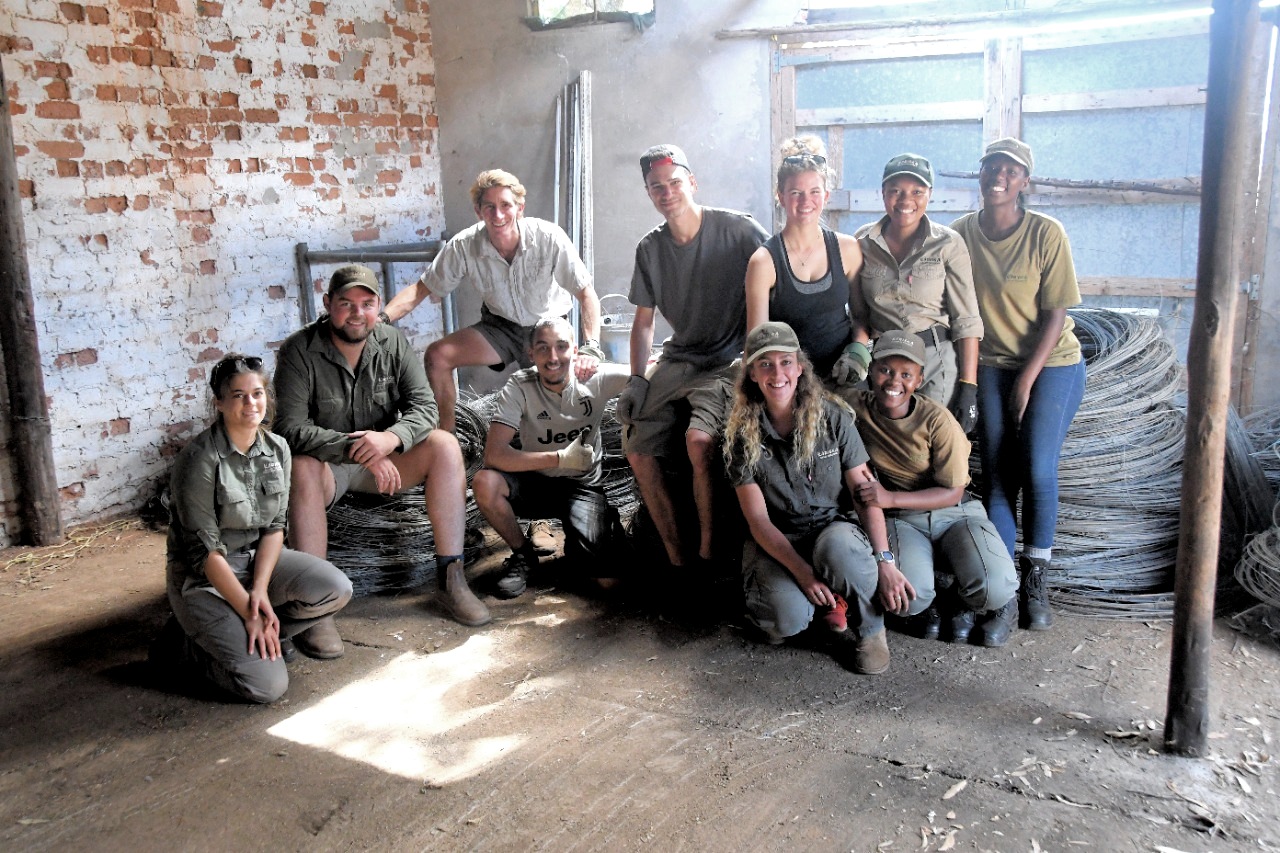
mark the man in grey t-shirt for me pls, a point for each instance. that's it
(692, 268)
(555, 407)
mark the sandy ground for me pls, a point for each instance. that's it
(573, 723)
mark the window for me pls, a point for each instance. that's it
(547, 14)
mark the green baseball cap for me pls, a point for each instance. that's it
(909, 164)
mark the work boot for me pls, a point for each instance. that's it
(457, 598)
(288, 650)
(1033, 595)
(998, 625)
(515, 572)
(927, 624)
(835, 618)
(871, 654)
(320, 641)
(962, 625)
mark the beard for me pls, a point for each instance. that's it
(341, 333)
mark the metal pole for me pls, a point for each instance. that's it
(1227, 183)
(31, 437)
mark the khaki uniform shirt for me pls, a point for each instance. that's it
(222, 500)
(319, 399)
(539, 282)
(922, 450)
(1016, 278)
(801, 501)
(932, 286)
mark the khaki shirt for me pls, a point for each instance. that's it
(1027, 272)
(319, 399)
(539, 282)
(922, 450)
(222, 500)
(932, 286)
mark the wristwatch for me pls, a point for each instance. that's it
(885, 557)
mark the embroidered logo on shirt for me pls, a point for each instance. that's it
(543, 416)
(827, 454)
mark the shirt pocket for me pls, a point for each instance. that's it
(236, 507)
(273, 490)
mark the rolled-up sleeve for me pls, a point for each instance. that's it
(961, 298)
(295, 384)
(448, 269)
(192, 488)
(569, 271)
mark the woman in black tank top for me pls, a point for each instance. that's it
(802, 275)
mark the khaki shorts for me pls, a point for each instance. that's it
(676, 387)
(352, 477)
(509, 341)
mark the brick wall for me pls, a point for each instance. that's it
(171, 153)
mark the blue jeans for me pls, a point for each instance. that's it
(1023, 461)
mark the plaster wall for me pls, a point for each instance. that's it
(675, 82)
(170, 154)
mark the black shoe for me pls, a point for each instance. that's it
(515, 572)
(288, 650)
(927, 624)
(961, 625)
(1033, 596)
(998, 625)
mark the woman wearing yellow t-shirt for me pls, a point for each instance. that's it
(1030, 373)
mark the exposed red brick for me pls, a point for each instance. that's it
(262, 116)
(209, 10)
(365, 235)
(324, 118)
(201, 235)
(388, 90)
(244, 66)
(57, 91)
(433, 120)
(196, 374)
(206, 63)
(410, 120)
(129, 95)
(208, 267)
(209, 354)
(143, 19)
(310, 72)
(204, 217)
(222, 115)
(76, 358)
(147, 260)
(347, 28)
(67, 169)
(75, 491)
(97, 15)
(390, 176)
(66, 150)
(234, 167)
(58, 109)
(95, 205)
(184, 426)
(121, 54)
(231, 133)
(105, 93)
(45, 68)
(253, 164)
(27, 188)
(188, 115)
(138, 167)
(189, 152)
(144, 39)
(223, 45)
(308, 40)
(163, 58)
(276, 291)
(348, 163)
(299, 179)
(140, 56)
(318, 8)
(115, 168)
(91, 169)
(141, 202)
(118, 426)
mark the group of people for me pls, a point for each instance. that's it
(831, 378)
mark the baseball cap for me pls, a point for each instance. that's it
(352, 275)
(662, 155)
(1015, 149)
(898, 342)
(770, 337)
(909, 164)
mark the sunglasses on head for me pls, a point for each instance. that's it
(226, 369)
(803, 159)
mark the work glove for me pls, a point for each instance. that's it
(964, 405)
(631, 400)
(851, 367)
(579, 455)
(592, 348)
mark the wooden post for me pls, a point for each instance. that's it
(1227, 141)
(31, 438)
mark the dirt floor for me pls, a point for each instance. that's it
(575, 723)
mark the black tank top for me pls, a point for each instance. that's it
(817, 310)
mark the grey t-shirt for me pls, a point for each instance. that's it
(699, 287)
(546, 420)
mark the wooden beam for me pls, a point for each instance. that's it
(30, 433)
(782, 123)
(1142, 288)
(1117, 99)
(1002, 88)
(1174, 186)
(1228, 138)
(947, 200)
(891, 113)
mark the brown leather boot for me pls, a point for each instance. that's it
(320, 641)
(458, 599)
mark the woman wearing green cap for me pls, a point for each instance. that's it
(793, 453)
(916, 277)
(1031, 374)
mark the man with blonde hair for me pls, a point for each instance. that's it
(524, 268)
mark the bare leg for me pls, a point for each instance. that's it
(311, 490)
(700, 447)
(463, 348)
(437, 462)
(653, 488)
(493, 497)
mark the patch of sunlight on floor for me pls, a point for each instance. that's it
(403, 718)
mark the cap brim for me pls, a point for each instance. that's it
(768, 350)
(1014, 157)
(344, 288)
(921, 178)
(889, 352)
